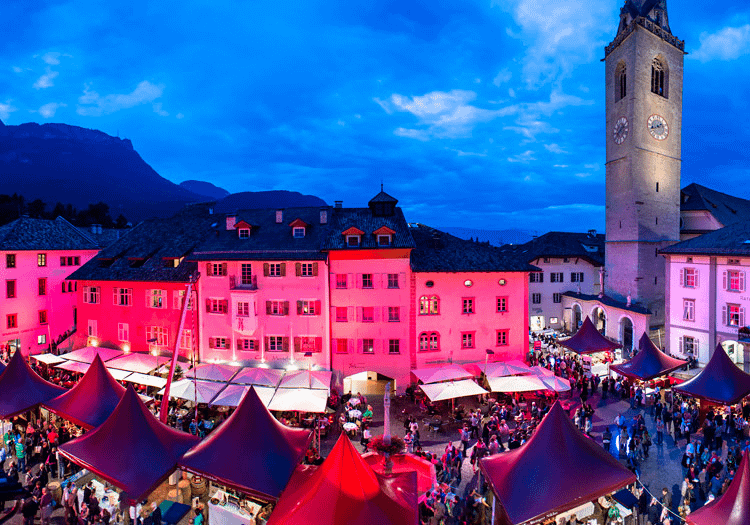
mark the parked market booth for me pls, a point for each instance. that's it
(538, 480)
(345, 490)
(732, 507)
(21, 389)
(720, 382)
(252, 455)
(649, 363)
(588, 340)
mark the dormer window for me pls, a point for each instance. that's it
(384, 236)
(352, 241)
(299, 228)
(384, 240)
(298, 232)
(243, 233)
(353, 237)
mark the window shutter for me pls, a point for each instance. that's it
(377, 343)
(402, 280)
(208, 306)
(376, 315)
(223, 268)
(283, 269)
(360, 346)
(268, 307)
(376, 277)
(359, 314)
(285, 344)
(318, 307)
(297, 344)
(266, 269)
(286, 307)
(386, 317)
(114, 296)
(541, 277)
(209, 269)
(255, 343)
(742, 316)
(682, 276)
(148, 297)
(318, 344)
(297, 269)
(359, 280)
(697, 277)
(724, 280)
(350, 282)
(350, 313)
(299, 307)
(334, 280)
(350, 346)
(742, 281)
(681, 345)
(267, 343)
(315, 269)
(724, 319)
(224, 306)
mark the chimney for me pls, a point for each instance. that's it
(338, 204)
(592, 233)
(231, 220)
(210, 211)
(323, 215)
(279, 216)
(96, 228)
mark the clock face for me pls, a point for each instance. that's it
(658, 127)
(620, 131)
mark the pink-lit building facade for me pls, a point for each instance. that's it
(38, 305)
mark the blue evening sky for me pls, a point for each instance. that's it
(486, 114)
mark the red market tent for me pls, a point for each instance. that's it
(132, 449)
(22, 389)
(721, 381)
(535, 481)
(92, 400)
(732, 507)
(426, 479)
(344, 490)
(251, 451)
(649, 363)
(588, 340)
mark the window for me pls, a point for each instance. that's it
(217, 306)
(217, 269)
(467, 340)
(11, 320)
(92, 328)
(367, 280)
(308, 307)
(546, 259)
(70, 261)
(502, 338)
(689, 345)
(536, 277)
(155, 298)
(276, 269)
(658, 78)
(657, 187)
(298, 232)
(186, 340)
(277, 343)
(41, 259)
(277, 307)
(536, 298)
(392, 280)
(394, 346)
(502, 304)
(384, 240)
(42, 316)
(123, 332)
(688, 310)
(41, 339)
(341, 281)
(394, 314)
(307, 270)
(243, 233)
(243, 309)
(91, 294)
(124, 296)
(429, 342)
(246, 273)
(10, 288)
(341, 314)
(368, 314)
(734, 281)
(219, 343)
(556, 277)
(428, 305)
(690, 278)
(621, 82)
(557, 298)
(341, 346)
(159, 333)
(308, 344)
(734, 315)
(352, 241)
(179, 300)
(467, 305)
(42, 285)
(247, 345)
(368, 346)
(576, 277)
(10, 260)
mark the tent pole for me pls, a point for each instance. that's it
(165, 400)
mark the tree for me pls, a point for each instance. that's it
(36, 208)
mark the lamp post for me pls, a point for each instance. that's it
(316, 429)
(387, 427)
(487, 354)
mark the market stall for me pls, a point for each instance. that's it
(441, 373)
(299, 400)
(135, 362)
(315, 379)
(47, 359)
(510, 384)
(588, 340)
(499, 368)
(22, 389)
(88, 353)
(649, 363)
(732, 507)
(232, 395)
(268, 377)
(212, 372)
(194, 390)
(720, 381)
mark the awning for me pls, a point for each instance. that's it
(194, 390)
(119, 374)
(145, 379)
(48, 359)
(142, 363)
(74, 366)
(540, 371)
(258, 376)
(299, 400)
(516, 384)
(212, 372)
(441, 373)
(232, 395)
(500, 368)
(452, 389)
(88, 353)
(556, 384)
(316, 379)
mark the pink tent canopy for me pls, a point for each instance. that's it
(344, 490)
(587, 340)
(534, 480)
(732, 507)
(22, 389)
(649, 363)
(131, 449)
(92, 400)
(88, 353)
(721, 381)
(251, 451)
(425, 470)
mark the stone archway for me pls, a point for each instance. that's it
(599, 318)
(626, 336)
(577, 318)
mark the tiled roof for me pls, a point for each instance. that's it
(105, 238)
(140, 254)
(729, 240)
(383, 197)
(363, 219)
(562, 244)
(609, 301)
(43, 234)
(438, 251)
(268, 239)
(727, 209)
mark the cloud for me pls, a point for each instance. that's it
(159, 111)
(51, 58)
(6, 109)
(728, 43)
(91, 104)
(418, 134)
(525, 157)
(555, 148)
(502, 77)
(48, 110)
(17, 69)
(45, 80)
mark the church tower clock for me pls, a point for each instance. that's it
(644, 120)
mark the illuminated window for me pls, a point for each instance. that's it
(428, 305)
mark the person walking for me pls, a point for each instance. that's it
(465, 438)
(659, 431)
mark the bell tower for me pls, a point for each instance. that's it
(644, 120)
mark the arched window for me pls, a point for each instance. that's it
(428, 305)
(659, 77)
(429, 342)
(621, 81)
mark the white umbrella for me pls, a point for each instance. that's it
(299, 400)
(540, 371)
(516, 384)
(558, 384)
(88, 353)
(510, 368)
(258, 376)
(452, 389)
(48, 359)
(194, 390)
(212, 372)
(233, 394)
(316, 379)
(118, 374)
(74, 366)
(441, 373)
(145, 379)
(142, 363)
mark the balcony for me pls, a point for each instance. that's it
(238, 284)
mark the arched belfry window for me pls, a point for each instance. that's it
(621, 82)
(659, 77)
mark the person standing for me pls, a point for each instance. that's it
(29, 510)
(465, 437)
(47, 505)
(659, 431)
